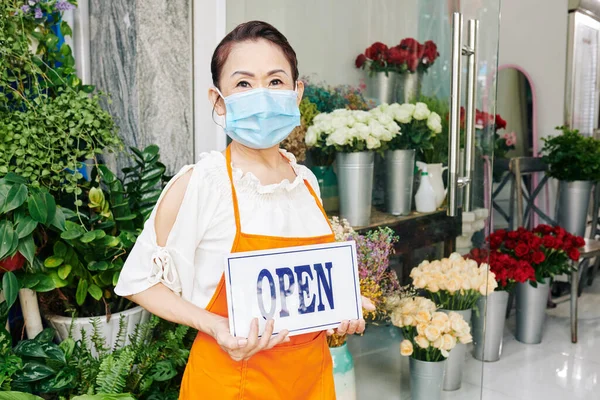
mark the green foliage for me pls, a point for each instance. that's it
(328, 98)
(572, 157)
(308, 112)
(149, 367)
(48, 122)
(439, 151)
(87, 255)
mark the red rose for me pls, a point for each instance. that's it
(535, 242)
(538, 257)
(12, 263)
(549, 241)
(574, 254)
(560, 232)
(579, 241)
(413, 62)
(430, 53)
(413, 47)
(499, 122)
(513, 235)
(510, 244)
(501, 233)
(376, 51)
(521, 250)
(397, 55)
(360, 60)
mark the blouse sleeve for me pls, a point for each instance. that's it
(172, 264)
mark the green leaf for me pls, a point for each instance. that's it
(95, 292)
(129, 217)
(71, 234)
(38, 209)
(11, 177)
(9, 239)
(99, 233)
(30, 348)
(18, 396)
(59, 219)
(30, 280)
(25, 225)
(64, 271)
(88, 237)
(53, 261)
(81, 293)
(15, 197)
(104, 396)
(115, 279)
(60, 249)
(10, 288)
(33, 371)
(45, 284)
(53, 352)
(58, 282)
(47, 335)
(111, 241)
(98, 266)
(163, 371)
(153, 173)
(27, 248)
(67, 346)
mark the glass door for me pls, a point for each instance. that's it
(407, 60)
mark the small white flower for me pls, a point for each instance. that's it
(434, 122)
(373, 143)
(421, 111)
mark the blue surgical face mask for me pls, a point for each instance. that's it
(261, 118)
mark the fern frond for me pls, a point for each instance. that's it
(114, 370)
(98, 340)
(120, 340)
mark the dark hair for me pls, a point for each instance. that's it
(252, 30)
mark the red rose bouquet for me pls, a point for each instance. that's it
(485, 121)
(546, 249)
(507, 270)
(408, 56)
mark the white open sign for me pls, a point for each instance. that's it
(303, 289)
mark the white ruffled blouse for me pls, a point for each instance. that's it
(192, 261)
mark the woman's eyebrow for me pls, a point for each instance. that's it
(275, 71)
(243, 73)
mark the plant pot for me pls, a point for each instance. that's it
(572, 205)
(381, 87)
(408, 87)
(343, 372)
(400, 171)
(108, 330)
(456, 361)
(328, 185)
(531, 311)
(488, 326)
(426, 379)
(355, 177)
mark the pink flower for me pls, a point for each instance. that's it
(510, 138)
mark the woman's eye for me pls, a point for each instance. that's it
(243, 84)
(276, 82)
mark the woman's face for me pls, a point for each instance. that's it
(252, 65)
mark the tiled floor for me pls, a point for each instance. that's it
(554, 369)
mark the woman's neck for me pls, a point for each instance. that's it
(268, 157)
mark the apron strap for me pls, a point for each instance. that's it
(236, 210)
(318, 201)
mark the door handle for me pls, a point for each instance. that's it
(456, 182)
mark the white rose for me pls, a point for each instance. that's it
(465, 339)
(403, 115)
(423, 317)
(311, 136)
(373, 143)
(432, 333)
(434, 122)
(409, 108)
(339, 137)
(421, 112)
(449, 342)
(408, 320)
(362, 116)
(384, 119)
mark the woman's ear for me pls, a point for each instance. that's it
(300, 89)
(216, 101)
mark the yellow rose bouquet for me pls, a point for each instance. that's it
(454, 283)
(429, 335)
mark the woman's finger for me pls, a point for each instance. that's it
(266, 336)
(281, 337)
(252, 336)
(341, 330)
(361, 326)
(352, 325)
(330, 332)
(367, 304)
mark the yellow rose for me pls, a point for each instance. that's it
(421, 329)
(423, 317)
(422, 341)
(438, 343)
(406, 348)
(449, 342)
(445, 353)
(432, 333)
(419, 282)
(453, 285)
(408, 320)
(466, 338)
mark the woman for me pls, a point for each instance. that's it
(252, 197)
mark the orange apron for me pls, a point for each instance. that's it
(300, 369)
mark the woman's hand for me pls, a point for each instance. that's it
(356, 325)
(242, 349)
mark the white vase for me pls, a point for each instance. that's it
(109, 330)
(435, 176)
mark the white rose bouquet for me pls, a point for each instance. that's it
(429, 335)
(418, 126)
(454, 283)
(350, 131)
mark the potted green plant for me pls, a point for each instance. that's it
(574, 160)
(85, 258)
